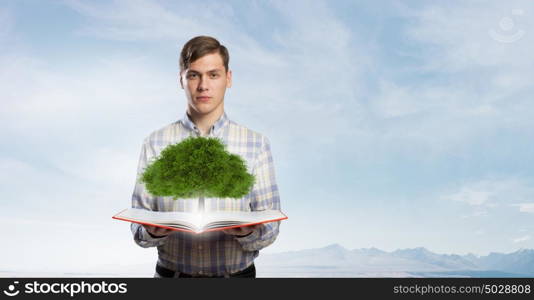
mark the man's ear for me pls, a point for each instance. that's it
(229, 79)
(181, 82)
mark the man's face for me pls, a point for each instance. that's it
(205, 82)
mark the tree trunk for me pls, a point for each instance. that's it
(201, 204)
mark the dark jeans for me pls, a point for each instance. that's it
(249, 272)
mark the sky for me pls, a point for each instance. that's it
(392, 124)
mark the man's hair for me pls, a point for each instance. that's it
(199, 46)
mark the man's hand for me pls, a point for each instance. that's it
(241, 231)
(157, 231)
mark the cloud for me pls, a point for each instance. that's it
(46, 191)
(273, 70)
(458, 35)
(68, 246)
(88, 126)
(459, 86)
(44, 222)
(521, 239)
(94, 120)
(56, 97)
(477, 193)
(477, 213)
(489, 193)
(6, 25)
(142, 20)
(342, 98)
(525, 207)
(276, 84)
(471, 197)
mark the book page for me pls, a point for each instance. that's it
(198, 222)
(214, 219)
(172, 219)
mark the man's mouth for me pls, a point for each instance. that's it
(203, 98)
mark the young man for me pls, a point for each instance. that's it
(204, 76)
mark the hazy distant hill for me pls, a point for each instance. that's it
(521, 261)
(336, 261)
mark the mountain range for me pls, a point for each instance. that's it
(336, 261)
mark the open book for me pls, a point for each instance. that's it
(199, 222)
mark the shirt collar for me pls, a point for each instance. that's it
(220, 123)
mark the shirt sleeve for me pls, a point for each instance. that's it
(264, 195)
(141, 199)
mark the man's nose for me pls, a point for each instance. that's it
(202, 84)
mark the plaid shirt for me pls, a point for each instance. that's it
(210, 253)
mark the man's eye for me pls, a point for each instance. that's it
(189, 76)
(214, 75)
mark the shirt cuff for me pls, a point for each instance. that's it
(254, 235)
(146, 236)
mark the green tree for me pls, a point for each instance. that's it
(197, 167)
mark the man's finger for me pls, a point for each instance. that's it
(154, 230)
(163, 230)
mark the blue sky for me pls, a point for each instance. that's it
(392, 125)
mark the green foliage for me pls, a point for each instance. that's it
(196, 167)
